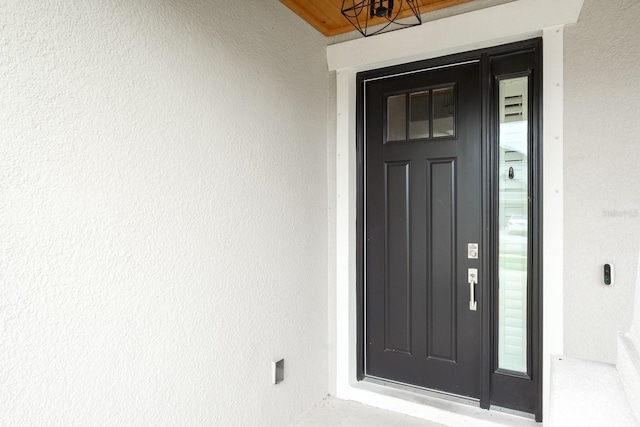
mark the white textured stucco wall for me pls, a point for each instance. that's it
(602, 174)
(163, 223)
(634, 331)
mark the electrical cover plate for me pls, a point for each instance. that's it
(278, 371)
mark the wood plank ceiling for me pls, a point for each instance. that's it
(325, 15)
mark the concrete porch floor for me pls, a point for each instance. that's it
(336, 412)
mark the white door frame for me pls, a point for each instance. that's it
(510, 22)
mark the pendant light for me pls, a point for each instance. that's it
(372, 17)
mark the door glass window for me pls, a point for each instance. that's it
(443, 112)
(397, 118)
(513, 238)
(420, 114)
(431, 115)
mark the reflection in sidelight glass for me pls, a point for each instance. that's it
(420, 113)
(397, 118)
(513, 239)
(443, 112)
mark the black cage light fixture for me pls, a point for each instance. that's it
(371, 17)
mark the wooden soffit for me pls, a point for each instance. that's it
(325, 15)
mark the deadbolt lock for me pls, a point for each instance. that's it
(472, 250)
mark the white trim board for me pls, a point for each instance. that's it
(510, 22)
(518, 20)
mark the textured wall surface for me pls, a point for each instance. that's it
(602, 201)
(163, 223)
(634, 331)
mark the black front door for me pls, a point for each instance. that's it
(423, 205)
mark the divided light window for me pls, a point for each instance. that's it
(424, 114)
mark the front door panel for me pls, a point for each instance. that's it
(423, 207)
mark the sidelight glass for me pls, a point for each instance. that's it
(513, 224)
(420, 115)
(443, 112)
(397, 118)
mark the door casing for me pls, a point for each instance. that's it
(498, 388)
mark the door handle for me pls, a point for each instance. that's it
(472, 274)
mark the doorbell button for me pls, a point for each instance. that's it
(608, 274)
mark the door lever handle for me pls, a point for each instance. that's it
(472, 274)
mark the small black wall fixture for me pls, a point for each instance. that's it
(382, 15)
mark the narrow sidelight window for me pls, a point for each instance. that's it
(513, 224)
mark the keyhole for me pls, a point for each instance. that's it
(511, 174)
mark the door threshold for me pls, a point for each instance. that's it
(438, 406)
(423, 391)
